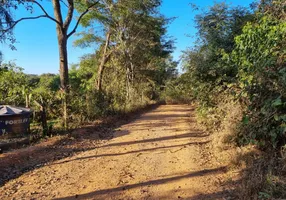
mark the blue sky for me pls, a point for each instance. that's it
(37, 50)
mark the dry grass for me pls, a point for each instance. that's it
(261, 175)
(264, 178)
(224, 147)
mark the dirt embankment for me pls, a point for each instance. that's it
(160, 155)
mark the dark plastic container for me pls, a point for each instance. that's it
(14, 121)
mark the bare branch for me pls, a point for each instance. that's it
(80, 17)
(14, 23)
(69, 15)
(58, 12)
(19, 20)
(47, 15)
(64, 3)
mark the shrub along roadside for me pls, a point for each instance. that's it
(240, 61)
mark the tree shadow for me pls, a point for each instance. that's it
(176, 110)
(15, 163)
(163, 116)
(158, 124)
(136, 151)
(171, 137)
(110, 191)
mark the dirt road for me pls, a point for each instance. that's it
(160, 155)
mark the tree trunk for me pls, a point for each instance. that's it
(43, 112)
(64, 78)
(128, 82)
(104, 59)
(44, 120)
(27, 100)
(88, 105)
(62, 36)
(62, 27)
(62, 43)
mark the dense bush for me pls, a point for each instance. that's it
(237, 74)
(209, 76)
(260, 58)
(240, 57)
(13, 84)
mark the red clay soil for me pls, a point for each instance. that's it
(160, 155)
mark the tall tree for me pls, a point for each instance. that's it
(132, 29)
(63, 33)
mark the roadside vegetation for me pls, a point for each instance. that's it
(236, 76)
(127, 71)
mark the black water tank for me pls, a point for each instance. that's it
(14, 121)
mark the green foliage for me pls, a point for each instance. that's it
(242, 56)
(6, 20)
(86, 103)
(47, 94)
(12, 84)
(210, 76)
(260, 57)
(137, 64)
(177, 90)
